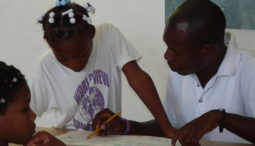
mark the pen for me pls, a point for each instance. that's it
(107, 121)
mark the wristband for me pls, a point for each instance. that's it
(127, 123)
(221, 121)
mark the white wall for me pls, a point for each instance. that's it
(141, 21)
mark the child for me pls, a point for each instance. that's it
(82, 74)
(16, 118)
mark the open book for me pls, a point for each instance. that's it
(79, 137)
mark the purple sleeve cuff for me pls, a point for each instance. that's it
(127, 127)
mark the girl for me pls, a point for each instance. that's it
(82, 74)
(16, 118)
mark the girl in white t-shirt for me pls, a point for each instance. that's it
(16, 118)
(82, 74)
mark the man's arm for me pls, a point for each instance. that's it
(143, 85)
(241, 126)
(193, 131)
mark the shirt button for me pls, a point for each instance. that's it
(198, 85)
(200, 100)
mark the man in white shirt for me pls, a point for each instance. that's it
(210, 82)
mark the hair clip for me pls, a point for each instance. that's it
(51, 14)
(86, 18)
(89, 8)
(40, 18)
(2, 100)
(14, 80)
(70, 14)
(62, 3)
(51, 20)
(72, 20)
(67, 12)
(51, 17)
(85, 5)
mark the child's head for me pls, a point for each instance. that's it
(68, 31)
(16, 118)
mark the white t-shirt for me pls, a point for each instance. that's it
(75, 97)
(231, 88)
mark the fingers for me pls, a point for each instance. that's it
(189, 137)
(115, 127)
(101, 117)
(173, 142)
(44, 139)
(102, 131)
(99, 122)
(39, 138)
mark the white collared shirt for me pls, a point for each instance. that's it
(231, 88)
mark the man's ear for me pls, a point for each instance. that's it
(92, 31)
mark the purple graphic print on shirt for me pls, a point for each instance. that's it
(90, 98)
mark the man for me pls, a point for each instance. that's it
(210, 83)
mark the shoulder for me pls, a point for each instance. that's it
(247, 62)
(47, 59)
(245, 74)
(47, 62)
(242, 60)
(106, 28)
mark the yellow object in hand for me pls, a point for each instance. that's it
(107, 121)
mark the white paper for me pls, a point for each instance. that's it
(79, 137)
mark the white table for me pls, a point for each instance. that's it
(57, 132)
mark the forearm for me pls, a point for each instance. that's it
(150, 128)
(143, 85)
(241, 126)
(146, 90)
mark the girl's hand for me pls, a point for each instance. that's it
(44, 139)
(115, 127)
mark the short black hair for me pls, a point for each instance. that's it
(206, 21)
(10, 80)
(62, 28)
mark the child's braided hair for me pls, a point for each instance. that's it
(63, 21)
(10, 79)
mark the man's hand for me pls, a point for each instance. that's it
(193, 131)
(115, 127)
(44, 139)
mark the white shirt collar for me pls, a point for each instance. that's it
(232, 57)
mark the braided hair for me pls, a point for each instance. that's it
(10, 79)
(58, 26)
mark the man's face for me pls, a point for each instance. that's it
(181, 55)
(18, 120)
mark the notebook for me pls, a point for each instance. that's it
(79, 138)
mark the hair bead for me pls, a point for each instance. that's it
(51, 20)
(72, 20)
(2, 100)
